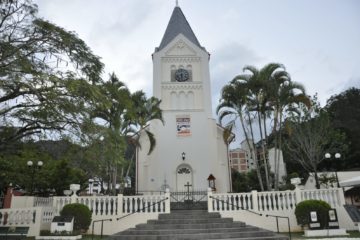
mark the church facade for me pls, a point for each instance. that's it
(189, 145)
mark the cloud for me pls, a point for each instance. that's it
(227, 62)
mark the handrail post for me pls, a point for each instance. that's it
(210, 202)
(255, 203)
(120, 204)
(297, 195)
(340, 193)
(167, 202)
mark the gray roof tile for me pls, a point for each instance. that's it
(178, 24)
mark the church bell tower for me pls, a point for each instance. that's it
(189, 145)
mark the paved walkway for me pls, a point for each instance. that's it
(333, 238)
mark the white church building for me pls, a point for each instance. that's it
(189, 145)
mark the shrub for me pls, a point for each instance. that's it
(81, 214)
(304, 208)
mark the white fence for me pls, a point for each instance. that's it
(255, 208)
(37, 213)
(272, 201)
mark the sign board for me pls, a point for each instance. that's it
(333, 219)
(62, 224)
(314, 220)
(183, 125)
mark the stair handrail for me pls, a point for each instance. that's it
(142, 209)
(237, 207)
(259, 214)
(277, 222)
(117, 219)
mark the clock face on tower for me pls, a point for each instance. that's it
(181, 75)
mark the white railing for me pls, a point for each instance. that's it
(43, 201)
(333, 196)
(276, 201)
(26, 216)
(272, 201)
(231, 201)
(145, 204)
(101, 205)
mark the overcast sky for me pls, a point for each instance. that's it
(317, 41)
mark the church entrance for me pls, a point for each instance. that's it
(184, 177)
(185, 196)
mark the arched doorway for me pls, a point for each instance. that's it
(184, 176)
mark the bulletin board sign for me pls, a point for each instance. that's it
(183, 126)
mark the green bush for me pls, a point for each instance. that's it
(81, 214)
(304, 208)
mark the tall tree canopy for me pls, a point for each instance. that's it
(310, 136)
(255, 97)
(344, 111)
(46, 74)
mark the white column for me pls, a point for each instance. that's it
(210, 200)
(340, 193)
(167, 201)
(297, 195)
(120, 204)
(255, 203)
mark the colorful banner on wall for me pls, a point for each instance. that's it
(183, 125)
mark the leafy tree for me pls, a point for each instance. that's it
(344, 112)
(310, 137)
(255, 96)
(245, 182)
(46, 74)
(125, 115)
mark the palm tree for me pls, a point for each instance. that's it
(144, 111)
(283, 99)
(113, 108)
(234, 98)
(125, 115)
(259, 83)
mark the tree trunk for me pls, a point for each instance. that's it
(263, 154)
(254, 155)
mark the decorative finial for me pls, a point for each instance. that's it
(177, 3)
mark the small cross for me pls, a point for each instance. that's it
(188, 185)
(177, 3)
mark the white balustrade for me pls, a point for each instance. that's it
(231, 201)
(331, 196)
(144, 204)
(276, 201)
(43, 202)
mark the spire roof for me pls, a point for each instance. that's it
(178, 24)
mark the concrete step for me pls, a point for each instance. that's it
(190, 221)
(216, 235)
(190, 226)
(195, 224)
(187, 231)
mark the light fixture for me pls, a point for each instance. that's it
(183, 156)
(337, 156)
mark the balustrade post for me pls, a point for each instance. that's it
(341, 195)
(254, 198)
(297, 195)
(210, 201)
(73, 198)
(120, 204)
(167, 201)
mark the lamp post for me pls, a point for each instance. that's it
(337, 156)
(33, 168)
